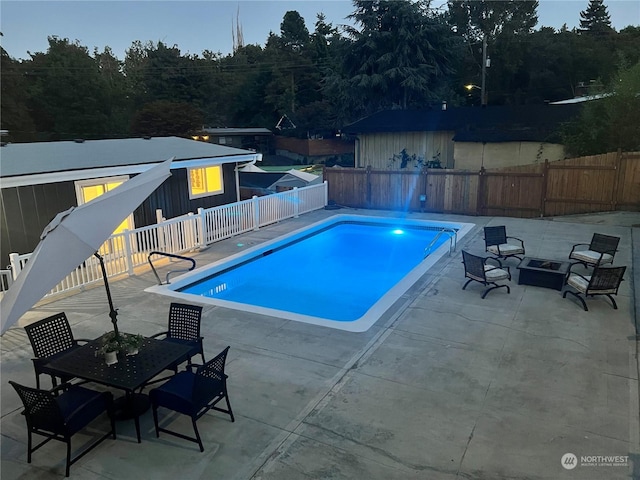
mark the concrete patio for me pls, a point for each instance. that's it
(445, 385)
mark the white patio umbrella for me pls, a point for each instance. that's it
(71, 238)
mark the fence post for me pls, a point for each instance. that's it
(128, 251)
(256, 214)
(482, 185)
(616, 184)
(296, 203)
(14, 259)
(160, 231)
(368, 183)
(201, 228)
(543, 194)
(326, 190)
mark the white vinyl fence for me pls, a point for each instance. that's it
(130, 249)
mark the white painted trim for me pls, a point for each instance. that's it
(84, 174)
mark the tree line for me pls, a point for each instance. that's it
(397, 54)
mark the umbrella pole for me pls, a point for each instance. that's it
(113, 313)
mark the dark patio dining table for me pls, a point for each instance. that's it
(131, 373)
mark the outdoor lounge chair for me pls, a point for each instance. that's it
(477, 270)
(59, 417)
(193, 392)
(603, 281)
(50, 338)
(497, 243)
(600, 251)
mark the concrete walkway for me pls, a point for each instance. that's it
(445, 385)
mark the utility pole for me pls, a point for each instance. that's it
(483, 91)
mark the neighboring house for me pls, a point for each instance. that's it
(462, 138)
(257, 139)
(309, 151)
(39, 180)
(255, 181)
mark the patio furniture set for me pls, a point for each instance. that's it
(598, 255)
(70, 406)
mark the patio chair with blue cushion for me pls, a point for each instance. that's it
(502, 246)
(193, 392)
(477, 270)
(60, 416)
(602, 281)
(50, 338)
(600, 251)
(184, 328)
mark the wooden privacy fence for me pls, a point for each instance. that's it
(596, 183)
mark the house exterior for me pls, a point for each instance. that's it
(257, 139)
(461, 137)
(258, 182)
(39, 180)
(315, 150)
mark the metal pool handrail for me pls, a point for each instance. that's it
(453, 240)
(170, 255)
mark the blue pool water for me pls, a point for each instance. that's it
(343, 273)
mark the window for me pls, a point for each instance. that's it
(223, 140)
(87, 190)
(205, 181)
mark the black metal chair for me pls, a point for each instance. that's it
(60, 416)
(600, 251)
(602, 281)
(497, 243)
(193, 393)
(477, 270)
(184, 328)
(50, 338)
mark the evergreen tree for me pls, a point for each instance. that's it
(595, 19)
(401, 56)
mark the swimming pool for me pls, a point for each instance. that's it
(343, 273)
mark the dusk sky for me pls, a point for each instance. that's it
(207, 25)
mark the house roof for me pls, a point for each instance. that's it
(72, 160)
(488, 124)
(237, 131)
(271, 180)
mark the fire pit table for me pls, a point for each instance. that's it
(541, 272)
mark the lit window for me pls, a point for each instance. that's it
(205, 181)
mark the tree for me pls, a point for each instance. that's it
(401, 55)
(609, 123)
(293, 32)
(15, 114)
(595, 19)
(163, 118)
(67, 92)
(119, 106)
(475, 19)
(499, 30)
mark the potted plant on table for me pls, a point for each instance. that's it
(113, 344)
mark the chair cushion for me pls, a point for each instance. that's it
(589, 256)
(194, 344)
(578, 282)
(84, 404)
(505, 249)
(493, 274)
(176, 394)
